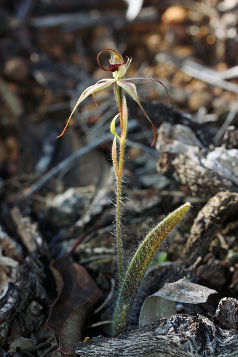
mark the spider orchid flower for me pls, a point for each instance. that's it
(118, 66)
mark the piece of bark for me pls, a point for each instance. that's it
(219, 208)
(227, 313)
(24, 305)
(200, 180)
(182, 153)
(210, 272)
(179, 139)
(178, 335)
(224, 162)
(27, 231)
(10, 247)
(230, 138)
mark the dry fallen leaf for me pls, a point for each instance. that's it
(163, 302)
(77, 293)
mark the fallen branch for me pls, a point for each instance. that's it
(66, 163)
(178, 335)
(219, 209)
(205, 74)
(63, 165)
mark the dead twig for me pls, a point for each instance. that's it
(229, 119)
(65, 163)
(207, 75)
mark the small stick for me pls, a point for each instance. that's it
(66, 163)
(71, 158)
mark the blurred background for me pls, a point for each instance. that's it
(56, 195)
(48, 56)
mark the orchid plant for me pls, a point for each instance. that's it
(130, 278)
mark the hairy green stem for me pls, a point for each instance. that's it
(118, 213)
(122, 108)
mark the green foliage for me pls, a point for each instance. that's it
(138, 266)
(160, 259)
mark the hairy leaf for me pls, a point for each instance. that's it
(139, 265)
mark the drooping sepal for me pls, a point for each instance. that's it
(104, 83)
(130, 89)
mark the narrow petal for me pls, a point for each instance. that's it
(130, 88)
(103, 83)
(124, 114)
(152, 79)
